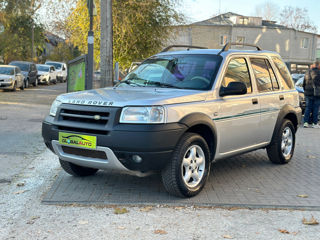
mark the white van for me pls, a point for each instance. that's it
(61, 69)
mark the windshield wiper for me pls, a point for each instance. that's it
(129, 82)
(164, 85)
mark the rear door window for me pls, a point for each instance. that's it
(262, 74)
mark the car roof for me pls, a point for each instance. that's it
(9, 66)
(54, 62)
(21, 62)
(45, 65)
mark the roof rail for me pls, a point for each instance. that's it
(228, 45)
(186, 46)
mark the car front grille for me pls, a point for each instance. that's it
(86, 119)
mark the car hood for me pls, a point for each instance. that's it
(133, 96)
(4, 76)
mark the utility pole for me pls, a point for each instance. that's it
(90, 46)
(32, 41)
(106, 44)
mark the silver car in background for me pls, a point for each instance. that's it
(11, 78)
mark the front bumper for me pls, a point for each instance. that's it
(116, 149)
(6, 85)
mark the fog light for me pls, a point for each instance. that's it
(136, 158)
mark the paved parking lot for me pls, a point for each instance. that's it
(248, 180)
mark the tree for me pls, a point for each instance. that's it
(64, 52)
(297, 18)
(17, 21)
(140, 28)
(267, 10)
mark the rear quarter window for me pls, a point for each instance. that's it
(284, 74)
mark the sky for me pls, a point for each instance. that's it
(197, 10)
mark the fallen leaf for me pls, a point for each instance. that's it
(312, 221)
(121, 227)
(295, 233)
(83, 222)
(120, 210)
(146, 209)
(227, 236)
(283, 231)
(32, 220)
(311, 156)
(160, 231)
(20, 192)
(20, 184)
(303, 195)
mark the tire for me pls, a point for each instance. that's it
(175, 178)
(35, 82)
(281, 148)
(26, 83)
(22, 86)
(14, 87)
(76, 170)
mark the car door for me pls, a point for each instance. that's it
(239, 115)
(270, 97)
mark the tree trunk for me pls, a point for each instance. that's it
(106, 47)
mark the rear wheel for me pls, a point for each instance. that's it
(185, 175)
(76, 170)
(281, 148)
(26, 83)
(36, 82)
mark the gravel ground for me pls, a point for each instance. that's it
(22, 216)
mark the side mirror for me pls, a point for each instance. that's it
(233, 88)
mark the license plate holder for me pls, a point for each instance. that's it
(78, 140)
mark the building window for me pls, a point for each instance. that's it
(244, 21)
(240, 40)
(304, 42)
(223, 40)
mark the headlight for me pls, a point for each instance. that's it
(54, 107)
(142, 115)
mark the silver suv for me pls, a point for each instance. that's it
(176, 113)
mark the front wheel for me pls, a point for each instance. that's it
(76, 170)
(185, 175)
(281, 148)
(14, 87)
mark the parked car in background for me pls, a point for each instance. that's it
(46, 74)
(61, 69)
(11, 78)
(297, 76)
(29, 71)
(299, 88)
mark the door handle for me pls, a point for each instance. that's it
(254, 101)
(281, 97)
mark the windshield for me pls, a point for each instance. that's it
(6, 71)
(43, 68)
(56, 65)
(176, 71)
(23, 66)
